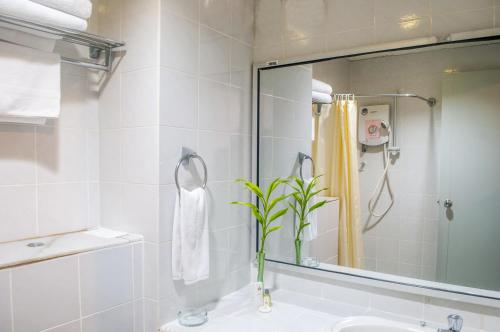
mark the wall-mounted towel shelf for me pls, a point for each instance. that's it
(100, 48)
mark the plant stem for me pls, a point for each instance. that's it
(298, 251)
(261, 256)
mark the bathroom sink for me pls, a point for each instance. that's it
(375, 324)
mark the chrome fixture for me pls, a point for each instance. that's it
(448, 203)
(431, 101)
(302, 158)
(455, 323)
(185, 159)
(99, 47)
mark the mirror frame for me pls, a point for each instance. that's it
(420, 286)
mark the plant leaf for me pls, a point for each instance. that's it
(272, 229)
(277, 215)
(316, 206)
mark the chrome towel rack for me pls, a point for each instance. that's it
(185, 159)
(100, 48)
(302, 158)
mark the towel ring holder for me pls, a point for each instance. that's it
(302, 158)
(186, 159)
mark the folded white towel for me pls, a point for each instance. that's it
(311, 231)
(78, 8)
(322, 98)
(30, 87)
(322, 87)
(190, 237)
(32, 11)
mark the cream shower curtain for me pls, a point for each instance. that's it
(336, 155)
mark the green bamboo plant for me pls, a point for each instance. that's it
(264, 214)
(303, 194)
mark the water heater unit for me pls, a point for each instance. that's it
(370, 129)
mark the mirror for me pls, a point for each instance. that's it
(406, 143)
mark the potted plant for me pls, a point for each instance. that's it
(265, 215)
(304, 194)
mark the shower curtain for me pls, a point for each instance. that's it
(336, 155)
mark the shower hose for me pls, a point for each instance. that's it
(380, 184)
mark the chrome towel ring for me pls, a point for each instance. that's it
(302, 158)
(185, 160)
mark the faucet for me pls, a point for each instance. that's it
(455, 324)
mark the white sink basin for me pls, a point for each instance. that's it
(375, 324)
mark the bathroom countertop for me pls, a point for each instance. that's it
(32, 250)
(237, 312)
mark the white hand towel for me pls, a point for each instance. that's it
(78, 8)
(30, 88)
(322, 87)
(31, 11)
(311, 231)
(190, 237)
(323, 98)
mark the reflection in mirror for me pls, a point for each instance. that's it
(406, 145)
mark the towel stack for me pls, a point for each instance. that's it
(30, 90)
(321, 92)
(71, 14)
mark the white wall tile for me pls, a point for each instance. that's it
(240, 114)
(140, 29)
(62, 207)
(70, 327)
(241, 60)
(140, 98)
(105, 279)
(241, 156)
(139, 316)
(186, 8)
(216, 14)
(151, 271)
(140, 155)
(61, 154)
(110, 103)
(111, 205)
(110, 155)
(138, 265)
(215, 55)
(140, 210)
(18, 212)
(242, 20)
(215, 149)
(179, 43)
(443, 24)
(167, 199)
(172, 142)
(45, 294)
(5, 305)
(17, 154)
(117, 319)
(214, 106)
(179, 101)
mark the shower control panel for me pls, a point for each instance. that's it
(372, 122)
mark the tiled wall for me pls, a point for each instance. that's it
(205, 81)
(291, 28)
(347, 299)
(184, 82)
(49, 174)
(90, 292)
